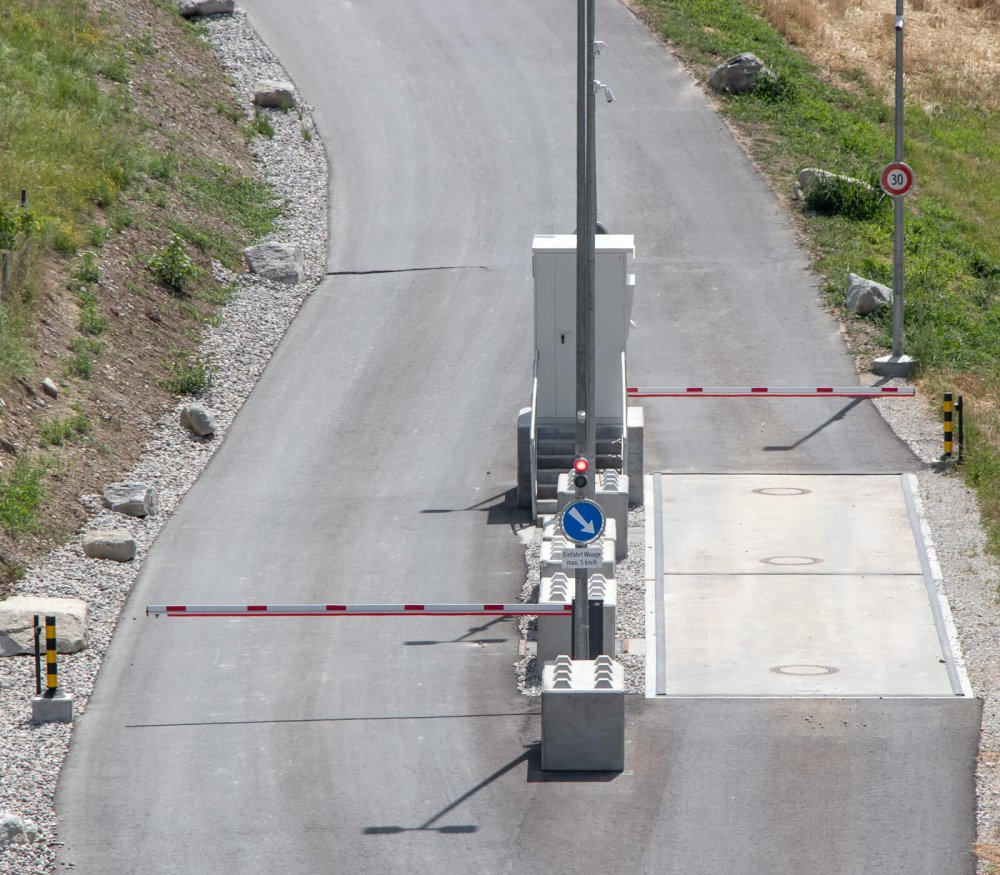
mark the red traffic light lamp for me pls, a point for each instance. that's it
(580, 468)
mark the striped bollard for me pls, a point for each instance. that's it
(949, 409)
(52, 706)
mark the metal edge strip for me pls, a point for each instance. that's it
(659, 595)
(943, 622)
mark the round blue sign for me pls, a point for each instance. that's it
(583, 521)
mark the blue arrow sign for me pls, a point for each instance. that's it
(583, 521)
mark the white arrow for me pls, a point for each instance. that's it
(586, 525)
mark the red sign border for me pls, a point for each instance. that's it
(897, 165)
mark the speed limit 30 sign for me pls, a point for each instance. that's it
(897, 179)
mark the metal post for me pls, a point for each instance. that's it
(590, 245)
(585, 228)
(51, 668)
(38, 655)
(949, 407)
(961, 426)
(595, 607)
(897, 202)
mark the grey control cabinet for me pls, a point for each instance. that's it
(554, 270)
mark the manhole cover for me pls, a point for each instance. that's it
(804, 670)
(782, 490)
(791, 560)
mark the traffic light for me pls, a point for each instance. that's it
(580, 468)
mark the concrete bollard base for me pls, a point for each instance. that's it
(57, 708)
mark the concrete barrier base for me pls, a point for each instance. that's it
(583, 715)
(57, 708)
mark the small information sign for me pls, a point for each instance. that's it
(589, 558)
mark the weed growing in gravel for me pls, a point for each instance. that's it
(188, 375)
(260, 126)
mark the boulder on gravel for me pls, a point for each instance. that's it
(737, 75)
(866, 296)
(197, 419)
(17, 624)
(50, 388)
(280, 262)
(274, 94)
(133, 499)
(194, 8)
(115, 544)
(15, 831)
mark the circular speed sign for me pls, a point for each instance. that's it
(897, 179)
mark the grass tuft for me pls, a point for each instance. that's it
(22, 492)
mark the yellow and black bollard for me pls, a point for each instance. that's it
(51, 666)
(52, 706)
(949, 409)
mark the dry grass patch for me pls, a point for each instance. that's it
(849, 35)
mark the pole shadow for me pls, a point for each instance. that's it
(462, 638)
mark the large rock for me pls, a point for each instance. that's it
(280, 262)
(17, 621)
(866, 296)
(737, 75)
(133, 499)
(115, 544)
(274, 94)
(809, 176)
(15, 831)
(198, 420)
(194, 8)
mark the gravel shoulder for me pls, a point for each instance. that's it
(239, 348)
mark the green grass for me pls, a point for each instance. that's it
(217, 189)
(91, 321)
(58, 432)
(260, 126)
(62, 112)
(85, 352)
(22, 492)
(69, 136)
(172, 266)
(188, 375)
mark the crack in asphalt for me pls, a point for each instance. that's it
(405, 270)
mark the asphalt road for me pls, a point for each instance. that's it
(375, 462)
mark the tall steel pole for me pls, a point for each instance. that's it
(590, 245)
(897, 202)
(586, 221)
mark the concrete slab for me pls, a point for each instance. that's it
(794, 635)
(786, 586)
(754, 523)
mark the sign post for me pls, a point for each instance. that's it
(897, 179)
(583, 523)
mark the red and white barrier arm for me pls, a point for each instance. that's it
(771, 392)
(477, 610)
